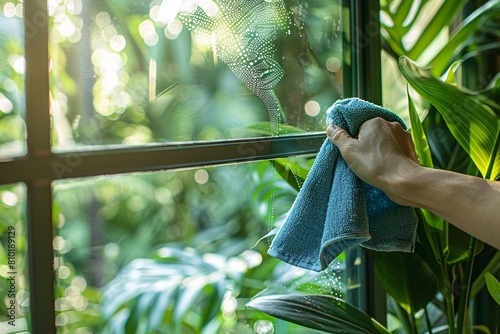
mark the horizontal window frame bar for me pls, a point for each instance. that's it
(106, 161)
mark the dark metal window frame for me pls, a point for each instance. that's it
(40, 166)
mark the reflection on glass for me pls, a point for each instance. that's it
(12, 66)
(14, 289)
(172, 251)
(131, 73)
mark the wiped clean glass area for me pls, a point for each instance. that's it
(131, 73)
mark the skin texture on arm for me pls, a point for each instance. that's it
(383, 156)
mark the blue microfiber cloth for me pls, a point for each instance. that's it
(335, 209)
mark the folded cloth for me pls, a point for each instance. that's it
(335, 209)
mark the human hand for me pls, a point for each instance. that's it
(382, 155)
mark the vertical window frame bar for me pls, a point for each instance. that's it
(39, 193)
(367, 85)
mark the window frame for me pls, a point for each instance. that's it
(41, 166)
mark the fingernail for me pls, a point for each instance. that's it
(330, 130)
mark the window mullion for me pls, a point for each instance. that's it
(39, 210)
(40, 256)
(37, 79)
(366, 60)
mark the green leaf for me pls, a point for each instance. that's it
(472, 123)
(492, 92)
(443, 17)
(322, 312)
(401, 14)
(158, 311)
(436, 229)
(188, 296)
(450, 75)
(291, 172)
(395, 31)
(139, 310)
(424, 156)
(493, 287)
(407, 278)
(489, 264)
(464, 31)
(213, 307)
(459, 242)
(446, 151)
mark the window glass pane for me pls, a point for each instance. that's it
(14, 290)
(128, 72)
(173, 250)
(12, 66)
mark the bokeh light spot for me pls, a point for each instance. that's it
(9, 9)
(5, 104)
(9, 198)
(333, 64)
(201, 176)
(312, 108)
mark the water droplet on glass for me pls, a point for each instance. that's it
(263, 327)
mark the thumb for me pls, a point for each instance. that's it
(339, 137)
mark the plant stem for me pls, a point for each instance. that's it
(446, 290)
(448, 301)
(464, 300)
(413, 322)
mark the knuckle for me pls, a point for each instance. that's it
(379, 120)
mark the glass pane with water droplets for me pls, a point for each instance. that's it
(134, 73)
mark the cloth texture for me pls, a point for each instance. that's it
(335, 209)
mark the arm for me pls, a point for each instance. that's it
(383, 155)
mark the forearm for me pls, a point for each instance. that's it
(383, 155)
(470, 203)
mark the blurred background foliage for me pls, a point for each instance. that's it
(12, 128)
(13, 214)
(127, 72)
(130, 73)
